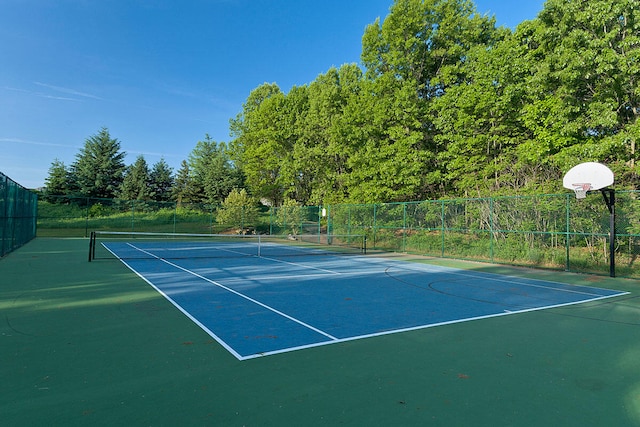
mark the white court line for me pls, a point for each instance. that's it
(491, 277)
(226, 288)
(419, 327)
(300, 265)
(333, 340)
(265, 277)
(179, 307)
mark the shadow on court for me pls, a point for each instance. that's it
(93, 344)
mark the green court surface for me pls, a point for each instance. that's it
(93, 344)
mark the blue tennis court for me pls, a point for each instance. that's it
(262, 305)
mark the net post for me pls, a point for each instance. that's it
(364, 244)
(92, 242)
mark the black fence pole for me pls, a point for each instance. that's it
(611, 205)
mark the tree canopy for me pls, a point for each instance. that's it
(443, 104)
(448, 104)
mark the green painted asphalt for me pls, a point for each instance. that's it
(92, 344)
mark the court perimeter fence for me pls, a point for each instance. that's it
(18, 215)
(550, 231)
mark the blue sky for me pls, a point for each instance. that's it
(160, 74)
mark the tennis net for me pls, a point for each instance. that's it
(139, 245)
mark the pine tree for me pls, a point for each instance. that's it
(58, 181)
(182, 191)
(99, 167)
(212, 173)
(136, 182)
(161, 181)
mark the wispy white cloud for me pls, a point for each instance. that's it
(73, 95)
(58, 98)
(68, 91)
(41, 94)
(29, 142)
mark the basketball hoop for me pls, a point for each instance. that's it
(591, 176)
(581, 190)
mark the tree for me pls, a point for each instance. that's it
(258, 148)
(297, 172)
(413, 58)
(425, 41)
(290, 216)
(319, 157)
(212, 172)
(161, 181)
(238, 210)
(478, 123)
(99, 166)
(58, 181)
(183, 190)
(384, 143)
(585, 100)
(136, 182)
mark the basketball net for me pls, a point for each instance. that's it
(581, 190)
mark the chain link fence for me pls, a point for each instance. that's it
(64, 216)
(544, 231)
(18, 213)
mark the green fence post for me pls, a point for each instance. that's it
(271, 220)
(133, 215)
(491, 227)
(375, 225)
(5, 220)
(404, 227)
(442, 228)
(175, 215)
(210, 219)
(35, 215)
(86, 222)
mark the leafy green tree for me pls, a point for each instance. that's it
(478, 123)
(318, 164)
(585, 100)
(238, 210)
(99, 166)
(413, 58)
(290, 216)
(451, 105)
(258, 148)
(161, 181)
(57, 182)
(136, 182)
(297, 173)
(384, 144)
(425, 42)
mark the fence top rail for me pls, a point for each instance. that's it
(471, 199)
(12, 182)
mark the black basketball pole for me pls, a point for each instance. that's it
(611, 202)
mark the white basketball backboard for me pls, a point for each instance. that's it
(588, 176)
